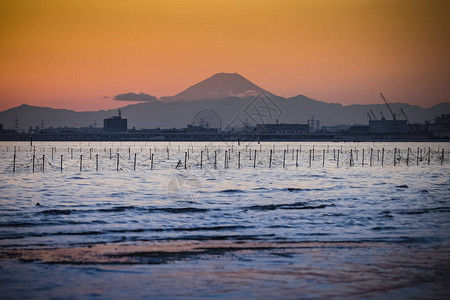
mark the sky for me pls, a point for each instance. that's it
(78, 54)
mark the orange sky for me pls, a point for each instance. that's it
(72, 53)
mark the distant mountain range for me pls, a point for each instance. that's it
(234, 98)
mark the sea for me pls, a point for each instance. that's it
(386, 197)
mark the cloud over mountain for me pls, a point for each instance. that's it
(142, 97)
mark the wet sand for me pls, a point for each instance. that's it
(262, 269)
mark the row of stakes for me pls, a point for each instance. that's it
(227, 157)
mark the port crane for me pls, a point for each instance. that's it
(404, 115)
(394, 115)
(371, 115)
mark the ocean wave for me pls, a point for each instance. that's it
(231, 191)
(296, 205)
(425, 210)
(123, 209)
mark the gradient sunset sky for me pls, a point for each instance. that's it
(73, 53)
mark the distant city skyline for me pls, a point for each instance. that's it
(80, 55)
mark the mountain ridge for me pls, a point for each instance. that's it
(230, 102)
(180, 114)
(219, 86)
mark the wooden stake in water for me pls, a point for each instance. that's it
(96, 162)
(239, 159)
(395, 154)
(407, 158)
(71, 153)
(417, 157)
(313, 153)
(117, 167)
(201, 159)
(270, 159)
(134, 166)
(61, 162)
(296, 158)
(254, 160)
(129, 153)
(225, 160)
(371, 155)
(351, 157)
(284, 158)
(34, 157)
(43, 163)
(168, 153)
(14, 163)
(81, 162)
(151, 164)
(185, 159)
(429, 155)
(323, 158)
(310, 151)
(337, 160)
(215, 159)
(362, 160)
(90, 153)
(442, 158)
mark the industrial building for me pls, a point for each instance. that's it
(441, 127)
(388, 126)
(282, 128)
(115, 124)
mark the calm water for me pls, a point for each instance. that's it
(248, 200)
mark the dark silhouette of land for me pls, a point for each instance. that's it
(229, 95)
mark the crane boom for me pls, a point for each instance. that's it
(404, 115)
(387, 104)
